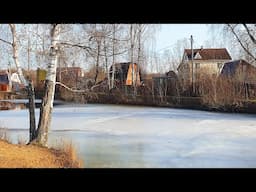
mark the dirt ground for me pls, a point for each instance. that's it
(31, 156)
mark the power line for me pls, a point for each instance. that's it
(164, 48)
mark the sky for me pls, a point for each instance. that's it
(169, 34)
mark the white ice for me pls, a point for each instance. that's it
(170, 137)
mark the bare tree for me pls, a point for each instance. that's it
(27, 84)
(113, 59)
(242, 37)
(47, 101)
(242, 40)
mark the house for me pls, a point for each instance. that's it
(242, 74)
(16, 82)
(205, 61)
(241, 69)
(126, 73)
(5, 82)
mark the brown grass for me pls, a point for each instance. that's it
(217, 92)
(33, 156)
(222, 91)
(67, 149)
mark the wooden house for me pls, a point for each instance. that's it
(126, 74)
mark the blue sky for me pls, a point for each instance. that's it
(169, 34)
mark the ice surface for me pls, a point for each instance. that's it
(125, 136)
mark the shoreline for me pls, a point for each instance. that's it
(33, 156)
(185, 103)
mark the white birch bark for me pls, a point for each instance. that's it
(15, 54)
(47, 102)
(52, 66)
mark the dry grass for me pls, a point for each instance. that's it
(220, 91)
(20, 155)
(21, 140)
(224, 91)
(67, 149)
(32, 156)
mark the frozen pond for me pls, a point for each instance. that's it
(126, 136)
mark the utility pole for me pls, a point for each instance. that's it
(192, 63)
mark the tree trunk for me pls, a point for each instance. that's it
(32, 120)
(106, 63)
(131, 56)
(15, 54)
(45, 114)
(139, 56)
(97, 64)
(113, 51)
(47, 101)
(29, 86)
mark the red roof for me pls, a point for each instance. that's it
(208, 54)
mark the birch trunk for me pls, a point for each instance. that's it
(15, 54)
(47, 101)
(29, 86)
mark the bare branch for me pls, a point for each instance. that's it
(250, 35)
(119, 53)
(90, 50)
(240, 42)
(6, 41)
(86, 91)
(115, 39)
(70, 89)
(76, 45)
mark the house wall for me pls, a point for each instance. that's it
(131, 75)
(206, 66)
(245, 73)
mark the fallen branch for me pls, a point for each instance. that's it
(86, 91)
(72, 90)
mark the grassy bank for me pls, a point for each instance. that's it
(31, 156)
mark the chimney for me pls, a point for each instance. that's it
(201, 47)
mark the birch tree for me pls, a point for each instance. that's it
(47, 101)
(28, 85)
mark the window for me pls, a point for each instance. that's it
(220, 65)
(197, 65)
